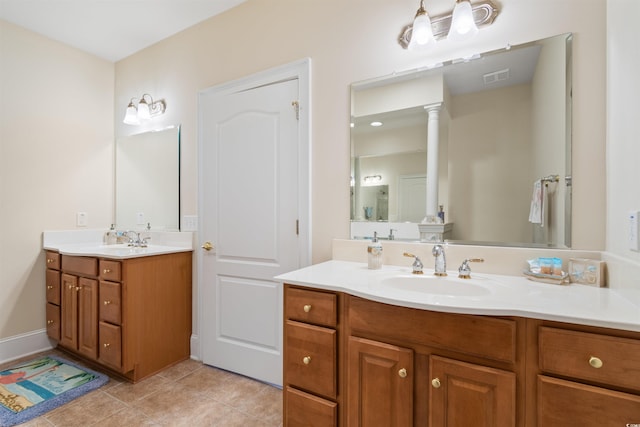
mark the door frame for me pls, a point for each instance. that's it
(300, 70)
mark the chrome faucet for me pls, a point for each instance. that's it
(440, 266)
(417, 264)
(464, 272)
(137, 241)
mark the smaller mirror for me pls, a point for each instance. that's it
(148, 180)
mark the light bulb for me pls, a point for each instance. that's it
(143, 110)
(421, 33)
(131, 116)
(463, 26)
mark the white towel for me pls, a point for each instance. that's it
(536, 213)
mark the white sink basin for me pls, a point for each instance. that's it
(434, 285)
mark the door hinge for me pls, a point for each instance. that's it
(297, 227)
(296, 106)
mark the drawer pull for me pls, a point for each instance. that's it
(435, 382)
(595, 362)
(49, 287)
(106, 271)
(107, 302)
(307, 308)
(306, 360)
(106, 345)
(403, 373)
(49, 322)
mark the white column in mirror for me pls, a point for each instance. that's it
(433, 141)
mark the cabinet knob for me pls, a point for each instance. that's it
(403, 373)
(49, 322)
(435, 382)
(307, 308)
(49, 260)
(70, 287)
(306, 360)
(49, 287)
(78, 288)
(107, 302)
(595, 362)
(106, 345)
(106, 270)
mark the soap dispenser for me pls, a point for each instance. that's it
(374, 253)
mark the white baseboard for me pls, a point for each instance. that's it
(18, 346)
(195, 347)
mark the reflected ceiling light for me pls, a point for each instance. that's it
(376, 124)
(482, 14)
(144, 110)
(463, 27)
(372, 179)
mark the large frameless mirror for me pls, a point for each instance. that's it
(464, 147)
(148, 180)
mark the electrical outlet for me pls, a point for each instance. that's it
(82, 219)
(189, 223)
(140, 218)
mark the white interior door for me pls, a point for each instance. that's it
(412, 198)
(249, 148)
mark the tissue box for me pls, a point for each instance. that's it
(587, 272)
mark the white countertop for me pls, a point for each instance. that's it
(120, 251)
(500, 295)
(88, 243)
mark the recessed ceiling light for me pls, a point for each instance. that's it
(376, 124)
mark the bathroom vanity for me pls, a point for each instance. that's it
(361, 353)
(126, 309)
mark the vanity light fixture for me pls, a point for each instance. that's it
(421, 31)
(375, 124)
(454, 26)
(144, 110)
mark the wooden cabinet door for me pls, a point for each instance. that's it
(69, 310)
(379, 384)
(53, 321)
(463, 394)
(88, 317)
(111, 345)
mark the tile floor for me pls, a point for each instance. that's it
(187, 394)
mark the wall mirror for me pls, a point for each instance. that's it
(502, 126)
(148, 180)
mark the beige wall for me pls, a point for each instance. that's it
(54, 165)
(56, 159)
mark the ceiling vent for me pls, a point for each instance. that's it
(496, 76)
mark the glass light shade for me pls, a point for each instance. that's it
(463, 26)
(143, 110)
(131, 116)
(421, 32)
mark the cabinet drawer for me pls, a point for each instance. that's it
(304, 409)
(83, 266)
(565, 403)
(487, 337)
(577, 354)
(315, 307)
(110, 345)
(110, 304)
(110, 270)
(53, 321)
(310, 361)
(53, 286)
(53, 260)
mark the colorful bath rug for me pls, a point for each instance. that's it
(32, 388)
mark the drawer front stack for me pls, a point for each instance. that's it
(598, 378)
(53, 294)
(110, 314)
(310, 359)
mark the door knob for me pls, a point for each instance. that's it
(207, 246)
